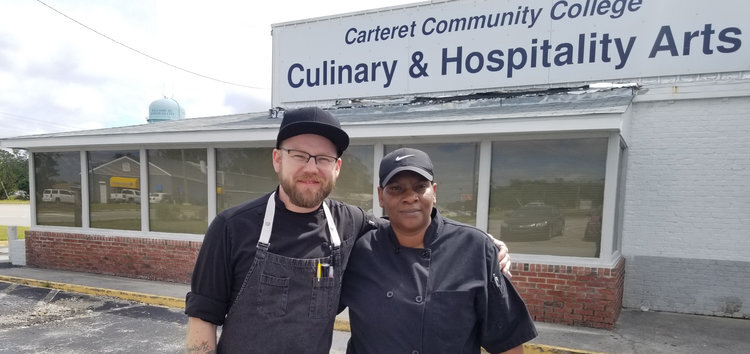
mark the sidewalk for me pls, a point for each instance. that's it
(635, 331)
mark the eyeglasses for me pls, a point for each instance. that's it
(303, 158)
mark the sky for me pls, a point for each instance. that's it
(68, 65)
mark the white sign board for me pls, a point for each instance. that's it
(481, 45)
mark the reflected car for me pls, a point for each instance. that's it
(58, 196)
(532, 221)
(159, 198)
(20, 195)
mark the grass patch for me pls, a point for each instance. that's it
(13, 201)
(114, 206)
(119, 224)
(187, 226)
(4, 232)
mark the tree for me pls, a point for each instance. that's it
(14, 172)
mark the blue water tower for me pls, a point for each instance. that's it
(165, 109)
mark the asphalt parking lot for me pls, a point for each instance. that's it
(41, 320)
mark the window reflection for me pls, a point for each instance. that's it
(242, 175)
(178, 191)
(114, 189)
(456, 167)
(58, 188)
(546, 195)
(354, 185)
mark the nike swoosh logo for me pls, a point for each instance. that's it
(399, 158)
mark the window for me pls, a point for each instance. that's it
(114, 189)
(58, 188)
(546, 195)
(354, 185)
(243, 175)
(456, 168)
(178, 191)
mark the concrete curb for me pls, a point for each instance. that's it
(173, 302)
(157, 300)
(547, 349)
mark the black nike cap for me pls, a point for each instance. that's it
(405, 159)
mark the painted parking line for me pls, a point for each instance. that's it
(551, 349)
(150, 299)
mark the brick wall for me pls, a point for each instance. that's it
(580, 296)
(688, 180)
(143, 258)
(685, 229)
(688, 285)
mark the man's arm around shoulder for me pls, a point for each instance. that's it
(201, 336)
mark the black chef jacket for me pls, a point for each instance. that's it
(449, 297)
(228, 248)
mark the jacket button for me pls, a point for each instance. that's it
(415, 352)
(389, 294)
(418, 298)
(426, 254)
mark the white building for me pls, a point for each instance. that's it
(605, 142)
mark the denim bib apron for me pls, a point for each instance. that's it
(285, 305)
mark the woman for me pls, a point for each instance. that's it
(424, 283)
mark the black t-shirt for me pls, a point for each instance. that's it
(228, 248)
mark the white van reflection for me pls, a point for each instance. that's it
(53, 195)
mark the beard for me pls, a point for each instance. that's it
(307, 198)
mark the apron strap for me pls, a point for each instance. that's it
(265, 231)
(335, 239)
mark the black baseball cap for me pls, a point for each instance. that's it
(313, 120)
(405, 159)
